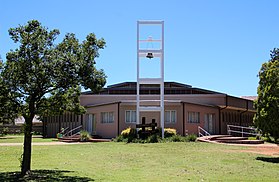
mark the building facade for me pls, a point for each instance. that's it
(113, 109)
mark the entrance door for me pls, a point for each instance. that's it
(91, 124)
(208, 123)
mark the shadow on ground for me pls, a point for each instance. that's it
(268, 159)
(43, 175)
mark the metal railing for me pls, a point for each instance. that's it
(202, 132)
(243, 130)
(64, 130)
(70, 133)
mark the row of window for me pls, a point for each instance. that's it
(170, 117)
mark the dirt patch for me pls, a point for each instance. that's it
(271, 151)
(264, 149)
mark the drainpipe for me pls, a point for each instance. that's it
(183, 118)
(243, 112)
(220, 109)
(118, 118)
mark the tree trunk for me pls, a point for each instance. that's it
(26, 159)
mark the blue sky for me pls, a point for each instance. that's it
(212, 44)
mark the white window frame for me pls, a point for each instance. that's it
(194, 117)
(107, 117)
(171, 113)
(130, 119)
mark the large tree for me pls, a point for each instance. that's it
(267, 104)
(42, 77)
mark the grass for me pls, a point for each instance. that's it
(20, 138)
(141, 162)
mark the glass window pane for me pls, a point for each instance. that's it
(134, 116)
(173, 116)
(167, 116)
(127, 116)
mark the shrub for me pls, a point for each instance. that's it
(119, 138)
(129, 133)
(177, 138)
(5, 131)
(169, 132)
(191, 138)
(153, 139)
(84, 136)
(139, 140)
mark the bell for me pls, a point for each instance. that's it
(149, 55)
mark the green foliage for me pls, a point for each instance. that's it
(191, 138)
(129, 133)
(176, 138)
(119, 138)
(153, 139)
(169, 132)
(84, 136)
(43, 78)
(267, 104)
(4, 131)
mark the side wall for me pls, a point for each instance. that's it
(192, 128)
(105, 130)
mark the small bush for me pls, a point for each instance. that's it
(139, 140)
(153, 139)
(120, 138)
(84, 136)
(129, 133)
(191, 138)
(177, 138)
(5, 131)
(169, 132)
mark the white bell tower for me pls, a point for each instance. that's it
(150, 53)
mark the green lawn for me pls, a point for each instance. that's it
(19, 139)
(141, 162)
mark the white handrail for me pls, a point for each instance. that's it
(71, 131)
(204, 131)
(242, 128)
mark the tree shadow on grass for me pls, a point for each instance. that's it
(268, 159)
(43, 175)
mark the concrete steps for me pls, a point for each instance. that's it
(228, 139)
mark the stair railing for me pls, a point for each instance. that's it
(202, 132)
(243, 130)
(70, 133)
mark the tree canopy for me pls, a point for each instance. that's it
(267, 104)
(42, 78)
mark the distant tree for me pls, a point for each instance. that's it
(267, 104)
(7, 101)
(43, 78)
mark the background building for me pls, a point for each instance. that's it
(114, 109)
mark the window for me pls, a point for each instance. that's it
(193, 117)
(130, 116)
(107, 117)
(170, 116)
